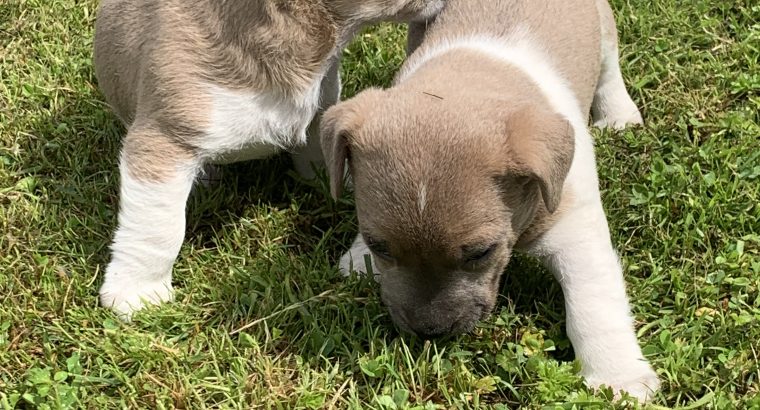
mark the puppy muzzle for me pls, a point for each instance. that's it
(431, 321)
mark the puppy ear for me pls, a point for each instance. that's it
(542, 144)
(339, 126)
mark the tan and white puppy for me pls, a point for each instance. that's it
(480, 148)
(212, 81)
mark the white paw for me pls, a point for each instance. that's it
(614, 108)
(641, 384)
(127, 297)
(620, 120)
(356, 260)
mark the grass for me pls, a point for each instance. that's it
(681, 194)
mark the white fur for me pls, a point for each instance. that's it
(355, 259)
(150, 233)
(422, 197)
(578, 248)
(519, 51)
(242, 126)
(247, 125)
(152, 215)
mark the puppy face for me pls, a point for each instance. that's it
(443, 192)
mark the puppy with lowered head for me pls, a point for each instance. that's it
(481, 148)
(211, 81)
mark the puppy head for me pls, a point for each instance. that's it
(443, 190)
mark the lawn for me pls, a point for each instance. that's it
(682, 195)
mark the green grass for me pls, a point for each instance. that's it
(681, 195)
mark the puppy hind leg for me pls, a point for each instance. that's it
(612, 105)
(156, 178)
(307, 157)
(599, 324)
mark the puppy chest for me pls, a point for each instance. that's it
(248, 125)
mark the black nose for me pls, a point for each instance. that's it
(433, 330)
(435, 334)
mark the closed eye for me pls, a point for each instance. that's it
(378, 248)
(479, 255)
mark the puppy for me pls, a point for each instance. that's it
(481, 148)
(212, 81)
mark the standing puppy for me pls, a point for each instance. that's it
(482, 147)
(211, 81)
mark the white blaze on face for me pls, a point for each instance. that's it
(421, 197)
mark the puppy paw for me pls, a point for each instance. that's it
(616, 110)
(641, 384)
(619, 122)
(127, 297)
(356, 260)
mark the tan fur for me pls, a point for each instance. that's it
(239, 44)
(212, 81)
(479, 165)
(153, 58)
(506, 146)
(469, 156)
(543, 221)
(495, 98)
(568, 31)
(607, 21)
(150, 156)
(543, 144)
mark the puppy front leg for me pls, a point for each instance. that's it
(156, 178)
(579, 251)
(310, 155)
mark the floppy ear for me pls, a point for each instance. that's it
(339, 125)
(542, 144)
